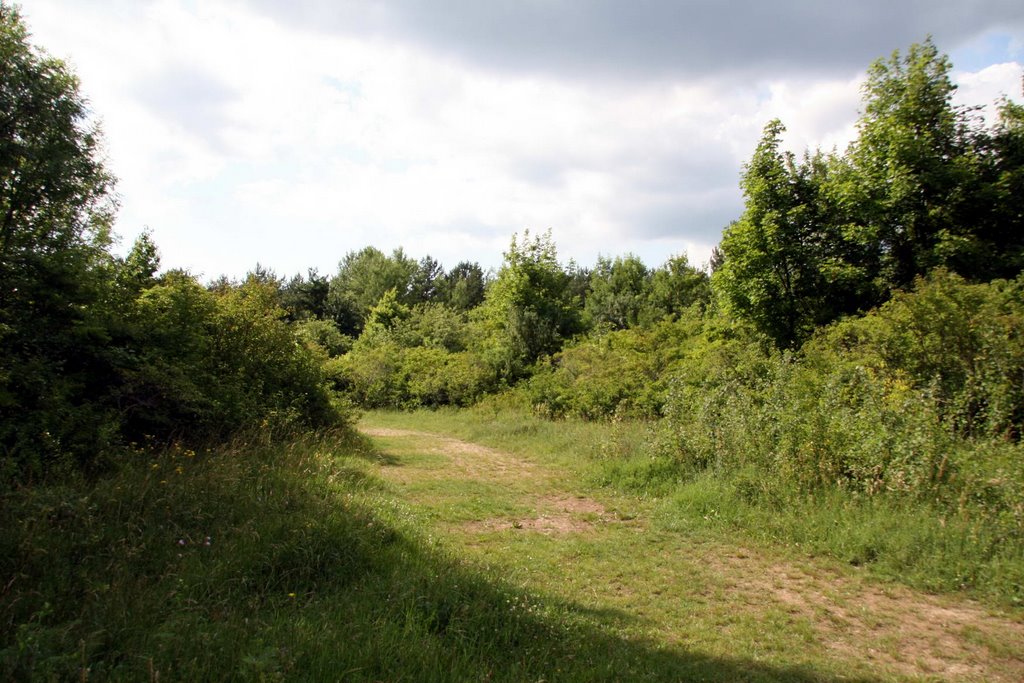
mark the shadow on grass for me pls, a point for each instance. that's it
(419, 614)
(270, 567)
(364, 447)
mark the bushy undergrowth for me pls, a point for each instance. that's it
(907, 400)
(854, 412)
(623, 373)
(162, 360)
(389, 375)
(201, 365)
(414, 358)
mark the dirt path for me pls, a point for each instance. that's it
(810, 609)
(465, 460)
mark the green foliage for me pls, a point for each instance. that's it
(998, 243)
(619, 290)
(463, 286)
(624, 293)
(427, 281)
(618, 374)
(98, 350)
(202, 364)
(914, 166)
(960, 342)
(918, 400)
(527, 311)
(362, 279)
(435, 326)
(787, 267)
(676, 287)
(411, 357)
(325, 335)
(924, 186)
(386, 315)
(55, 211)
(385, 374)
(305, 298)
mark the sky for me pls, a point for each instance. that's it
(289, 133)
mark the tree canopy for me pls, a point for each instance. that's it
(528, 310)
(923, 186)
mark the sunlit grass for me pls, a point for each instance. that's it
(683, 564)
(904, 540)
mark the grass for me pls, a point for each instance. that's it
(688, 565)
(906, 541)
(420, 558)
(291, 561)
(913, 542)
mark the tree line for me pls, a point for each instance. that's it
(920, 217)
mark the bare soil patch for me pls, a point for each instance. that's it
(468, 460)
(909, 633)
(554, 515)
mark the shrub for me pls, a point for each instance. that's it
(623, 373)
(919, 399)
(391, 376)
(203, 364)
(964, 342)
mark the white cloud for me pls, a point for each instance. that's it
(239, 138)
(989, 85)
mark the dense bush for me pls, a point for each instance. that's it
(389, 375)
(325, 335)
(410, 357)
(529, 310)
(616, 374)
(168, 360)
(962, 342)
(920, 398)
(211, 363)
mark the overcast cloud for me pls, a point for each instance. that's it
(248, 131)
(656, 39)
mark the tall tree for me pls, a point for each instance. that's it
(362, 279)
(914, 167)
(426, 282)
(619, 291)
(999, 224)
(770, 273)
(463, 286)
(676, 286)
(528, 311)
(925, 185)
(305, 297)
(56, 207)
